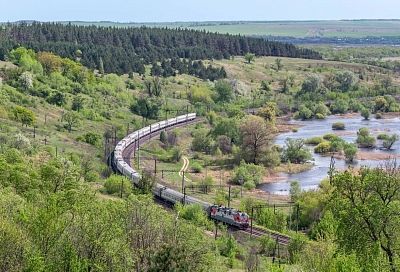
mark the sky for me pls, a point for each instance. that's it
(196, 10)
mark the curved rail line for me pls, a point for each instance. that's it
(131, 143)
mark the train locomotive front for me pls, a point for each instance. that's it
(229, 216)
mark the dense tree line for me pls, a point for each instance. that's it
(194, 68)
(123, 50)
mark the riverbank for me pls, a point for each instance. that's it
(310, 177)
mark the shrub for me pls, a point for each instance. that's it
(314, 141)
(91, 138)
(117, 184)
(340, 106)
(321, 110)
(172, 138)
(350, 151)
(320, 116)
(208, 180)
(193, 213)
(248, 173)
(295, 151)
(337, 144)
(176, 154)
(24, 115)
(378, 115)
(390, 141)
(201, 141)
(305, 113)
(330, 137)
(365, 113)
(323, 147)
(364, 139)
(196, 167)
(382, 136)
(249, 185)
(381, 104)
(163, 137)
(295, 130)
(224, 144)
(338, 126)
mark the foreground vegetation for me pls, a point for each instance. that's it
(63, 210)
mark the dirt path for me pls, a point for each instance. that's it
(185, 167)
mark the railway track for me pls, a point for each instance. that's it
(258, 232)
(128, 154)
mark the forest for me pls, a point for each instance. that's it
(124, 50)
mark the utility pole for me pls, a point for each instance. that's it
(216, 229)
(184, 197)
(297, 219)
(115, 136)
(122, 187)
(251, 221)
(183, 180)
(155, 167)
(229, 197)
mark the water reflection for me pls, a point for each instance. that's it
(310, 179)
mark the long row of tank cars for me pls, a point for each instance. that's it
(223, 214)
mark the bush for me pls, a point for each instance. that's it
(364, 139)
(390, 141)
(320, 116)
(378, 115)
(323, 147)
(330, 137)
(163, 137)
(321, 110)
(193, 213)
(350, 151)
(249, 185)
(314, 141)
(224, 144)
(176, 154)
(201, 141)
(338, 126)
(248, 173)
(381, 104)
(340, 106)
(91, 138)
(304, 113)
(117, 184)
(24, 115)
(295, 151)
(337, 144)
(382, 136)
(365, 113)
(196, 167)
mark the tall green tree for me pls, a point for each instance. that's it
(249, 57)
(366, 204)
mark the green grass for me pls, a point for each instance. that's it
(299, 29)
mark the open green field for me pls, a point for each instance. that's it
(303, 29)
(298, 29)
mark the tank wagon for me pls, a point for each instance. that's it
(222, 214)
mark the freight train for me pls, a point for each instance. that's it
(223, 214)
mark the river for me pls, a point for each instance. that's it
(310, 179)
